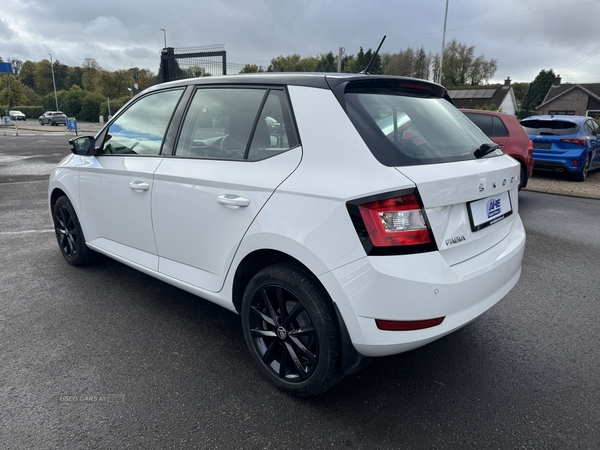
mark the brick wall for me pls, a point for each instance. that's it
(575, 100)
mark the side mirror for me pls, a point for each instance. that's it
(83, 146)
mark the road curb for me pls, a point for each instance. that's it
(564, 193)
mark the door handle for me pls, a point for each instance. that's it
(139, 186)
(233, 201)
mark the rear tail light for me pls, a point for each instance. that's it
(576, 141)
(530, 147)
(392, 224)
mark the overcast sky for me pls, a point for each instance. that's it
(524, 36)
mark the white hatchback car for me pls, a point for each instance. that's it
(342, 216)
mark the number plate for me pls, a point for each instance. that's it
(488, 211)
(542, 145)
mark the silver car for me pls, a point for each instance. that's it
(53, 118)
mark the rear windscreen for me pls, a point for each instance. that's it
(549, 127)
(404, 128)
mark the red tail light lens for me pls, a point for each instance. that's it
(395, 221)
(407, 325)
(576, 141)
(530, 146)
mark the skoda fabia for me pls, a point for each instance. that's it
(343, 217)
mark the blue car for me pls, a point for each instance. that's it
(564, 144)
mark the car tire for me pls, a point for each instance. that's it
(69, 234)
(41, 122)
(296, 346)
(52, 123)
(582, 174)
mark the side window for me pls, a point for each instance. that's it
(499, 127)
(591, 127)
(220, 122)
(272, 134)
(140, 130)
(483, 121)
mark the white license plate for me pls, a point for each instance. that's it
(488, 211)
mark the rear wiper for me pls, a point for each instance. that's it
(485, 149)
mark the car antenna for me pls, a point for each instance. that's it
(366, 69)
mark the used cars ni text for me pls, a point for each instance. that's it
(343, 217)
(564, 144)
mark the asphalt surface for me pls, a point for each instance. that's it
(106, 357)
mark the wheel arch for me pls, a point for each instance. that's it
(351, 361)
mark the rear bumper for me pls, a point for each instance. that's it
(421, 287)
(562, 162)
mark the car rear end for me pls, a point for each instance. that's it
(444, 241)
(559, 145)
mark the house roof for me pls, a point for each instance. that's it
(476, 97)
(556, 91)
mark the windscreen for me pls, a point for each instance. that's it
(550, 127)
(411, 128)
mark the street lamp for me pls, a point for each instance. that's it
(165, 35)
(443, 45)
(53, 81)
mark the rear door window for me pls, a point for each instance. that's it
(236, 123)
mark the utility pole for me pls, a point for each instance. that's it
(443, 45)
(53, 81)
(340, 55)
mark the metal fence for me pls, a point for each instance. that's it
(192, 62)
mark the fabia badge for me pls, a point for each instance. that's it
(455, 240)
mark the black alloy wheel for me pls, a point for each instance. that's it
(69, 234)
(291, 330)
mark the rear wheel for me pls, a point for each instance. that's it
(582, 174)
(291, 330)
(69, 234)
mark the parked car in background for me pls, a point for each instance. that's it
(16, 115)
(505, 130)
(342, 216)
(53, 118)
(564, 144)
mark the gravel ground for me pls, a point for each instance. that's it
(553, 183)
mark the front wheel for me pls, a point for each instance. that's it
(69, 234)
(41, 122)
(291, 329)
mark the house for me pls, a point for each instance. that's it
(572, 99)
(493, 96)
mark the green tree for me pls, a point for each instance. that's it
(16, 65)
(293, 63)
(326, 63)
(539, 88)
(74, 77)
(251, 68)
(90, 70)
(27, 74)
(43, 78)
(461, 67)
(12, 91)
